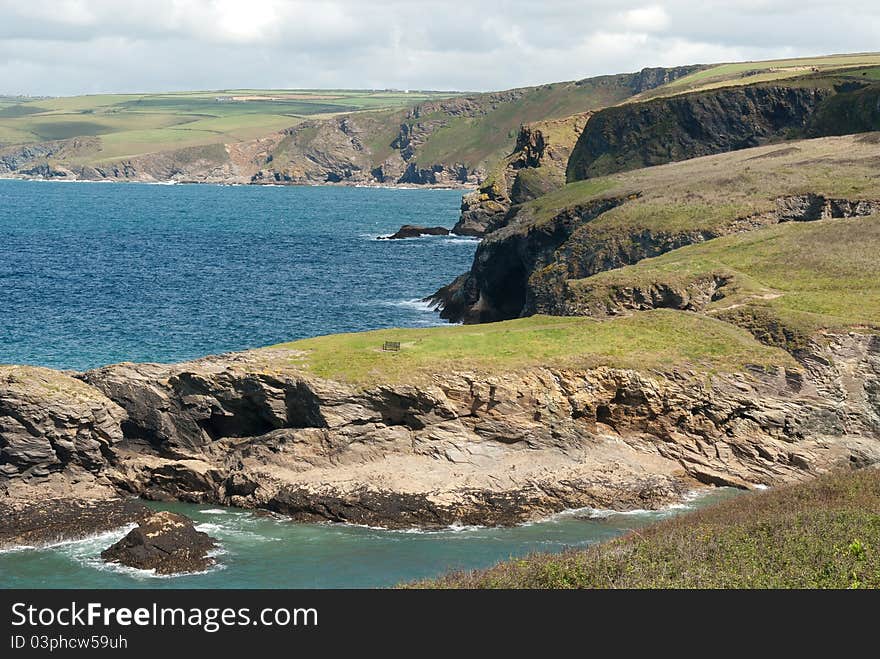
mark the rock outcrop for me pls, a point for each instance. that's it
(251, 430)
(413, 231)
(40, 520)
(51, 422)
(664, 130)
(165, 542)
(536, 167)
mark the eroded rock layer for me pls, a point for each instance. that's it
(250, 430)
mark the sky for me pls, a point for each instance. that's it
(68, 47)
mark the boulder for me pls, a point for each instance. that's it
(165, 542)
(413, 231)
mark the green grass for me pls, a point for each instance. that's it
(705, 193)
(746, 73)
(821, 534)
(134, 124)
(657, 340)
(484, 140)
(816, 275)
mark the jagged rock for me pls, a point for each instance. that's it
(653, 77)
(165, 542)
(664, 130)
(46, 520)
(50, 421)
(251, 430)
(536, 167)
(413, 231)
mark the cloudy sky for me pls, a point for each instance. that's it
(60, 47)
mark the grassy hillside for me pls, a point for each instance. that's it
(746, 73)
(475, 134)
(132, 124)
(483, 140)
(703, 193)
(821, 534)
(600, 224)
(806, 276)
(661, 339)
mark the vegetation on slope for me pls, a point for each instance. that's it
(824, 533)
(605, 223)
(132, 124)
(702, 193)
(661, 339)
(674, 128)
(802, 276)
(747, 73)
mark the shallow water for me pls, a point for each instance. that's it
(92, 274)
(259, 551)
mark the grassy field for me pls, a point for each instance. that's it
(133, 124)
(661, 339)
(821, 534)
(811, 276)
(747, 73)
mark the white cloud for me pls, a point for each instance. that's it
(75, 46)
(645, 19)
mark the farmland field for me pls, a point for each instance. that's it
(132, 124)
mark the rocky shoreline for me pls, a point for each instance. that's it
(254, 431)
(42, 523)
(451, 185)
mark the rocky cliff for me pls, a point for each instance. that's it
(538, 162)
(602, 224)
(536, 167)
(252, 430)
(65, 160)
(671, 129)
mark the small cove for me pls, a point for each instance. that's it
(263, 551)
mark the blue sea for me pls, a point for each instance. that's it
(97, 273)
(92, 274)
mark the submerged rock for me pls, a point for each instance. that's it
(50, 520)
(413, 231)
(165, 542)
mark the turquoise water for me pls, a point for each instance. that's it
(92, 274)
(258, 551)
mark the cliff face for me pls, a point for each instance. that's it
(49, 420)
(536, 167)
(602, 224)
(362, 149)
(217, 163)
(678, 128)
(496, 287)
(474, 448)
(540, 157)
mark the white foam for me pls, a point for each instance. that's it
(458, 527)
(16, 548)
(87, 552)
(416, 304)
(687, 503)
(214, 511)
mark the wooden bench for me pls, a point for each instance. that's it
(393, 346)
